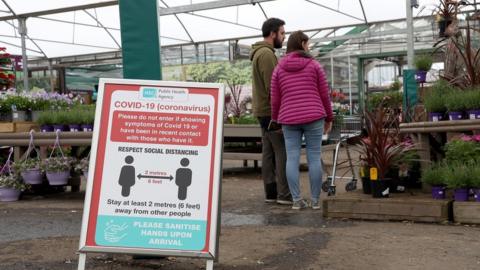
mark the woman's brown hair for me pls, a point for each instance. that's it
(295, 41)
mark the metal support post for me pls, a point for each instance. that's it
(350, 84)
(410, 46)
(22, 30)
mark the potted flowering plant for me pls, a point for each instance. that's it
(383, 147)
(472, 105)
(457, 177)
(46, 121)
(11, 188)
(82, 166)
(423, 63)
(455, 103)
(435, 177)
(57, 170)
(30, 170)
(475, 180)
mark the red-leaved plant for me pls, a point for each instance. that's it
(382, 148)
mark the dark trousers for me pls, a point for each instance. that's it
(274, 160)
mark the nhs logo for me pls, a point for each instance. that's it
(148, 92)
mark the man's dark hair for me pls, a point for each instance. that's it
(271, 25)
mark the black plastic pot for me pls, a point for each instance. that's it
(366, 185)
(397, 185)
(380, 188)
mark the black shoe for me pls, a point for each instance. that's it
(271, 193)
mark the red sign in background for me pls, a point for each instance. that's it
(160, 128)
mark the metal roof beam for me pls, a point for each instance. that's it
(208, 5)
(59, 10)
(334, 10)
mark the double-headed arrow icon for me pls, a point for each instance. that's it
(139, 176)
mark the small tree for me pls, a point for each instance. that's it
(235, 75)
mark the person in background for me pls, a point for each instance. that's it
(301, 104)
(273, 145)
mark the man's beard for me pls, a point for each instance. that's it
(277, 44)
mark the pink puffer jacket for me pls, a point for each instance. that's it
(299, 91)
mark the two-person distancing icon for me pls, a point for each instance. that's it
(183, 177)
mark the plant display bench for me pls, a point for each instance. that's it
(466, 212)
(400, 206)
(420, 133)
(20, 141)
(9, 127)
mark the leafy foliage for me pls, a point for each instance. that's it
(434, 175)
(12, 181)
(234, 75)
(423, 62)
(382, 147)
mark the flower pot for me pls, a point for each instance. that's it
(58, 178)
(435, 117)
(5, 117)
(473, 114)
(32, 177)
(380, 188)
(19, 116)
(366, 185)
(46, 128)
(438, 192)
(397, 185)
(87, 128)
(455, 115)
(461, 194)
(421, 76)
(477, 194)
(9, 194)
(35, 115)
(58, 127)
(74, 127)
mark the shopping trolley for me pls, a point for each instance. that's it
(344, 134)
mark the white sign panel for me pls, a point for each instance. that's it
(154, 178)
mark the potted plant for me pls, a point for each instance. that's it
(455, 103)
(82, 166)
(38, 104)
(365, 177)
(383, 146)
(435, 177)
(19, 105)
(60, 119)
(463, 150)
(75, 118)
(475, 180)
(434, 100)
(57, 170)
(423, 63)
(88, 117)
(45, 120)
(472, 103)
(30, 170)
(11, 188)
(457, 177)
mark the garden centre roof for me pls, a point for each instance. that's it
(59, 28)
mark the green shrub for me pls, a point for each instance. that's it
(462, 151)
(472, 99)
(457, 176)
(46, 118)
(455, 101)
(423, 62)
(475, 175)
(434, 176)
(434, 99)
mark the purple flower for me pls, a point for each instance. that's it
(476, 137)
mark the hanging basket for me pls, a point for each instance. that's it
(58, 178)
(32, 177)
(9, 194)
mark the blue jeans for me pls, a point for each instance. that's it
(293, 142)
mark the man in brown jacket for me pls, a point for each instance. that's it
(273, 145)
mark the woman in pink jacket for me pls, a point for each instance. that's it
(300, 102)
